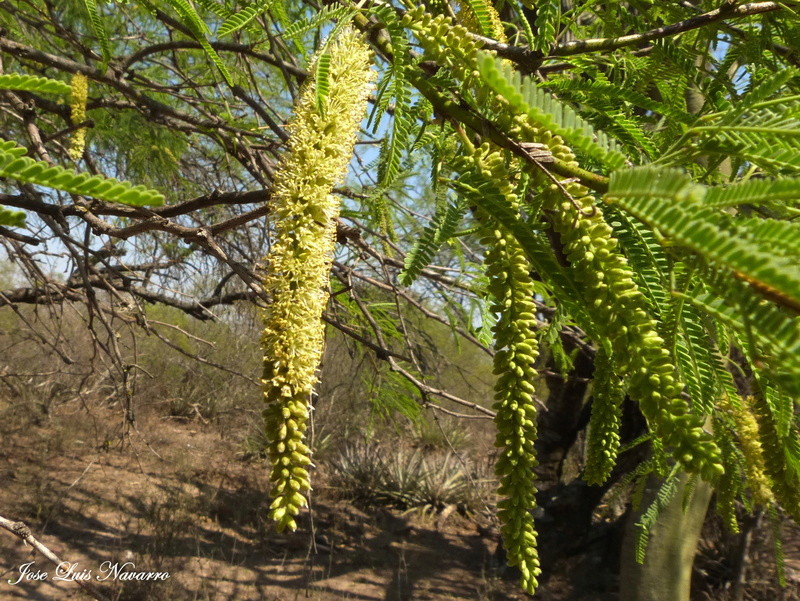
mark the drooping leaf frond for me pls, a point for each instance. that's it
(200, 31)
(15, 165)
(399, 91)
(327, 13)
(649, 518)
(215, 7)
(322, 70)
(769, 327)
(683, 218)
(766, 138)
(759, 91)
(541, 107)
(96, 23)
(777, 538)
(694, 358)
(548, 13)
(192, 20)
(755, 192)
(394, 145)
(11, 218)
(601, 88)
(782, 236)
(32, 83)
(240, 19)
(442, 227)
(646, 256)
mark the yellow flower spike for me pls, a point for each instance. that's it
(304, 213)
(78, 98)
(747, 430)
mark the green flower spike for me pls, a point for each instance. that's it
(621, 313)
(323, 133)
(512, 291)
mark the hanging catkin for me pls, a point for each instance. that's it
(78, 98)
(323, 133)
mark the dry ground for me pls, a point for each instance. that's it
(181, 499)
(177, 496)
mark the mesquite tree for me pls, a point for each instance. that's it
(623, 174)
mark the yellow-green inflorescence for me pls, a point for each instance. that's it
(785, 483)
(750, 444)
(78, 98)
(304, 213)
(602, 442)
(620, 313)
(512, 292)
(446, 42)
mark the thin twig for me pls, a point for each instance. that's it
(21, 531)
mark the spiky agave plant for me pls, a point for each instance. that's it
(323, 133)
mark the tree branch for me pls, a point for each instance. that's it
(724, 12)
(22, 532)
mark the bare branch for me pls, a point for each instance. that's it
(21, 531)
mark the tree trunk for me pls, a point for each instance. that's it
(666, 574)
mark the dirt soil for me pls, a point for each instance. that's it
(182, 500)
(178, 497)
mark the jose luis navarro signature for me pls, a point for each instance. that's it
(71, 572)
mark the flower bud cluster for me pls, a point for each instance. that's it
(468, 18)
(304, 213)
(446, 42)
(512, 292)
(784, 479)
(78, 98)
(746, 428)
(602, 443)
(620, 312)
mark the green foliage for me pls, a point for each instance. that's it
(442, 227)
(341, 14)
(200, 31)
(98, 29)
(754, 192)
(545, 110)
(240, 19)
(15, 165)
(32, 83)
(689, 340)
(649, 518)
(651, 266)
(215, 7)
(12, 218)
(322, 70)
(548, 13)
(759, 133)
(775, 334)
(687, 221)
